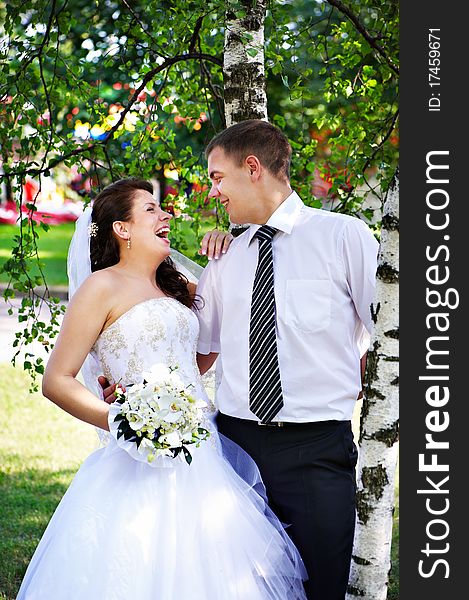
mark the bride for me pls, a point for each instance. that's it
(128, 529)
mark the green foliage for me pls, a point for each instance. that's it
(136, 88)
(339, 104)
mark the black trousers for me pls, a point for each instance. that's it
(309, 474)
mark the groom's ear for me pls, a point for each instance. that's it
(254, 166)
(121, 229)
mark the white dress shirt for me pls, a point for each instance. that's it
(324, 271)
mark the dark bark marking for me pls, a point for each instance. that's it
(360, 561)
(372, 392)
(255, 15)
(390, 223)
(354, 591)
(388, 435)
(374, 479)
(387, 273)
(392, 333)
(374, 310)
(239, 80)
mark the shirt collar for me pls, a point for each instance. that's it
(283, 218)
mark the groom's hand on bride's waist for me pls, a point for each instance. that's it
(108, 389)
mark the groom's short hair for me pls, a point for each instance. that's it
(258, 138)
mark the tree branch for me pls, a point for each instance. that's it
(195, 34)
(361, 29)
(84, 149)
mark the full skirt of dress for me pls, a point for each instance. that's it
(128, 530)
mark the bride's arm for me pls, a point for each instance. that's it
(83, 322)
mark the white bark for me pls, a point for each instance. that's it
(379, 424)
(244, 79)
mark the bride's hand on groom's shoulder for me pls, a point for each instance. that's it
(108, 390)
(215, 243)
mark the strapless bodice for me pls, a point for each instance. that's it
(159, 330)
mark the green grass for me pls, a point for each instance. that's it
(53, 248)
(41, 448)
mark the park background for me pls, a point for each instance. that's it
(90, 93)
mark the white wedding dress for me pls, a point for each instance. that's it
(128, 530)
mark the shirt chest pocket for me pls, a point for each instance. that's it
(308, 304)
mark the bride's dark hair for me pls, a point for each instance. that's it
(114, 203)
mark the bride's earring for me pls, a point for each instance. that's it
(128, 243)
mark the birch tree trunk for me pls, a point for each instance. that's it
(243, 69)
(379, 423)
(243, 63)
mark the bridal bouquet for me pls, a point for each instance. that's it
(159, 416)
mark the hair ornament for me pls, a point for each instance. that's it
(93, 229)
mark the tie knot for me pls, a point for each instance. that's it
(266, 233)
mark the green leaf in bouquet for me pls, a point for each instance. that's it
(204, 433)
(129, 435)
(187, 455)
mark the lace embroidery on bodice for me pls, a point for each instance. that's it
(159, 330)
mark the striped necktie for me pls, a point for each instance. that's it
(265, 388)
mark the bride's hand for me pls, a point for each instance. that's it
(215, 243)
(108, 390)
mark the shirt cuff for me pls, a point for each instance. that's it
(207, 347)
(363, 341)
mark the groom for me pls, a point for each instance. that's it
(288, 312)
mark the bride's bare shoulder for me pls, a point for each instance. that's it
(107, 276)
(100, 283)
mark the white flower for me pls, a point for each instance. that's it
(135, 420)
(145, 446)
(146, 395)
(163, 452)
(186, 436)
(175, 380)
(157, 373)
(171, 439)
(172, 416)
(125, 406)
(165, 400)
